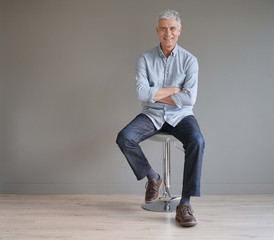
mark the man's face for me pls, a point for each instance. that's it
(168, 32)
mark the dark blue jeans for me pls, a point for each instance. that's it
(187, 131)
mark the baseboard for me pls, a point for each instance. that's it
(138, 188)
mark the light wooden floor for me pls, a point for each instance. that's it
(34, 217)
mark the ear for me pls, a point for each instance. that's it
(180, 30)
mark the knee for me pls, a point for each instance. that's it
(122, 138)
(126, 139)
(198, 140)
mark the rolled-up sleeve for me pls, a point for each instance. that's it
(187, 97)
(144, 91)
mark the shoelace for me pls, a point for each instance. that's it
(151, 186)
(187, 209)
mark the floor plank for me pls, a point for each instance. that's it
(34, 217)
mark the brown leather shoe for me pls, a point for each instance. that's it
(184, 215)
(153, 190)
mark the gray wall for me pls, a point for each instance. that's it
(67, 88)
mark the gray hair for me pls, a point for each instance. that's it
(170, 14)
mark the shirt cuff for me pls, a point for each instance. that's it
(152, 93)
(176, 99)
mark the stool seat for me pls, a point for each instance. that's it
(166, 202)
(162, 137)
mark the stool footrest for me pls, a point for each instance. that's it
(163, 205)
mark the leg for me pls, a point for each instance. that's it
(128, 140)
(188, 132)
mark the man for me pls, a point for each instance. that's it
(166, 83)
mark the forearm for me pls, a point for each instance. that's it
(163, 93)
(167, 100)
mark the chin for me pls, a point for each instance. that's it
(168, 45)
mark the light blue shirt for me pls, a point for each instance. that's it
(154, 71)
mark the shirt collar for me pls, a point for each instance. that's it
(173, 53)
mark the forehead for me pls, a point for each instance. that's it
(167, 22)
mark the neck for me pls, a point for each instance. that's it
(167, 50)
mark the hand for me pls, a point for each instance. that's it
(176, 90)
(165, 92)
(167, 100)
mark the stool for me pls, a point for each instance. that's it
(166, 202)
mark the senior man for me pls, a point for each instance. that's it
(166, 83)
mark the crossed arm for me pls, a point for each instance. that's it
(179, 96)
(163, 95)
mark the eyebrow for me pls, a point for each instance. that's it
(172, 27)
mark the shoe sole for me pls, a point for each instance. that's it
(185, 224)
(156, 197)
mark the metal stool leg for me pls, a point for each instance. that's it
(166, 164)
(166, 202)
